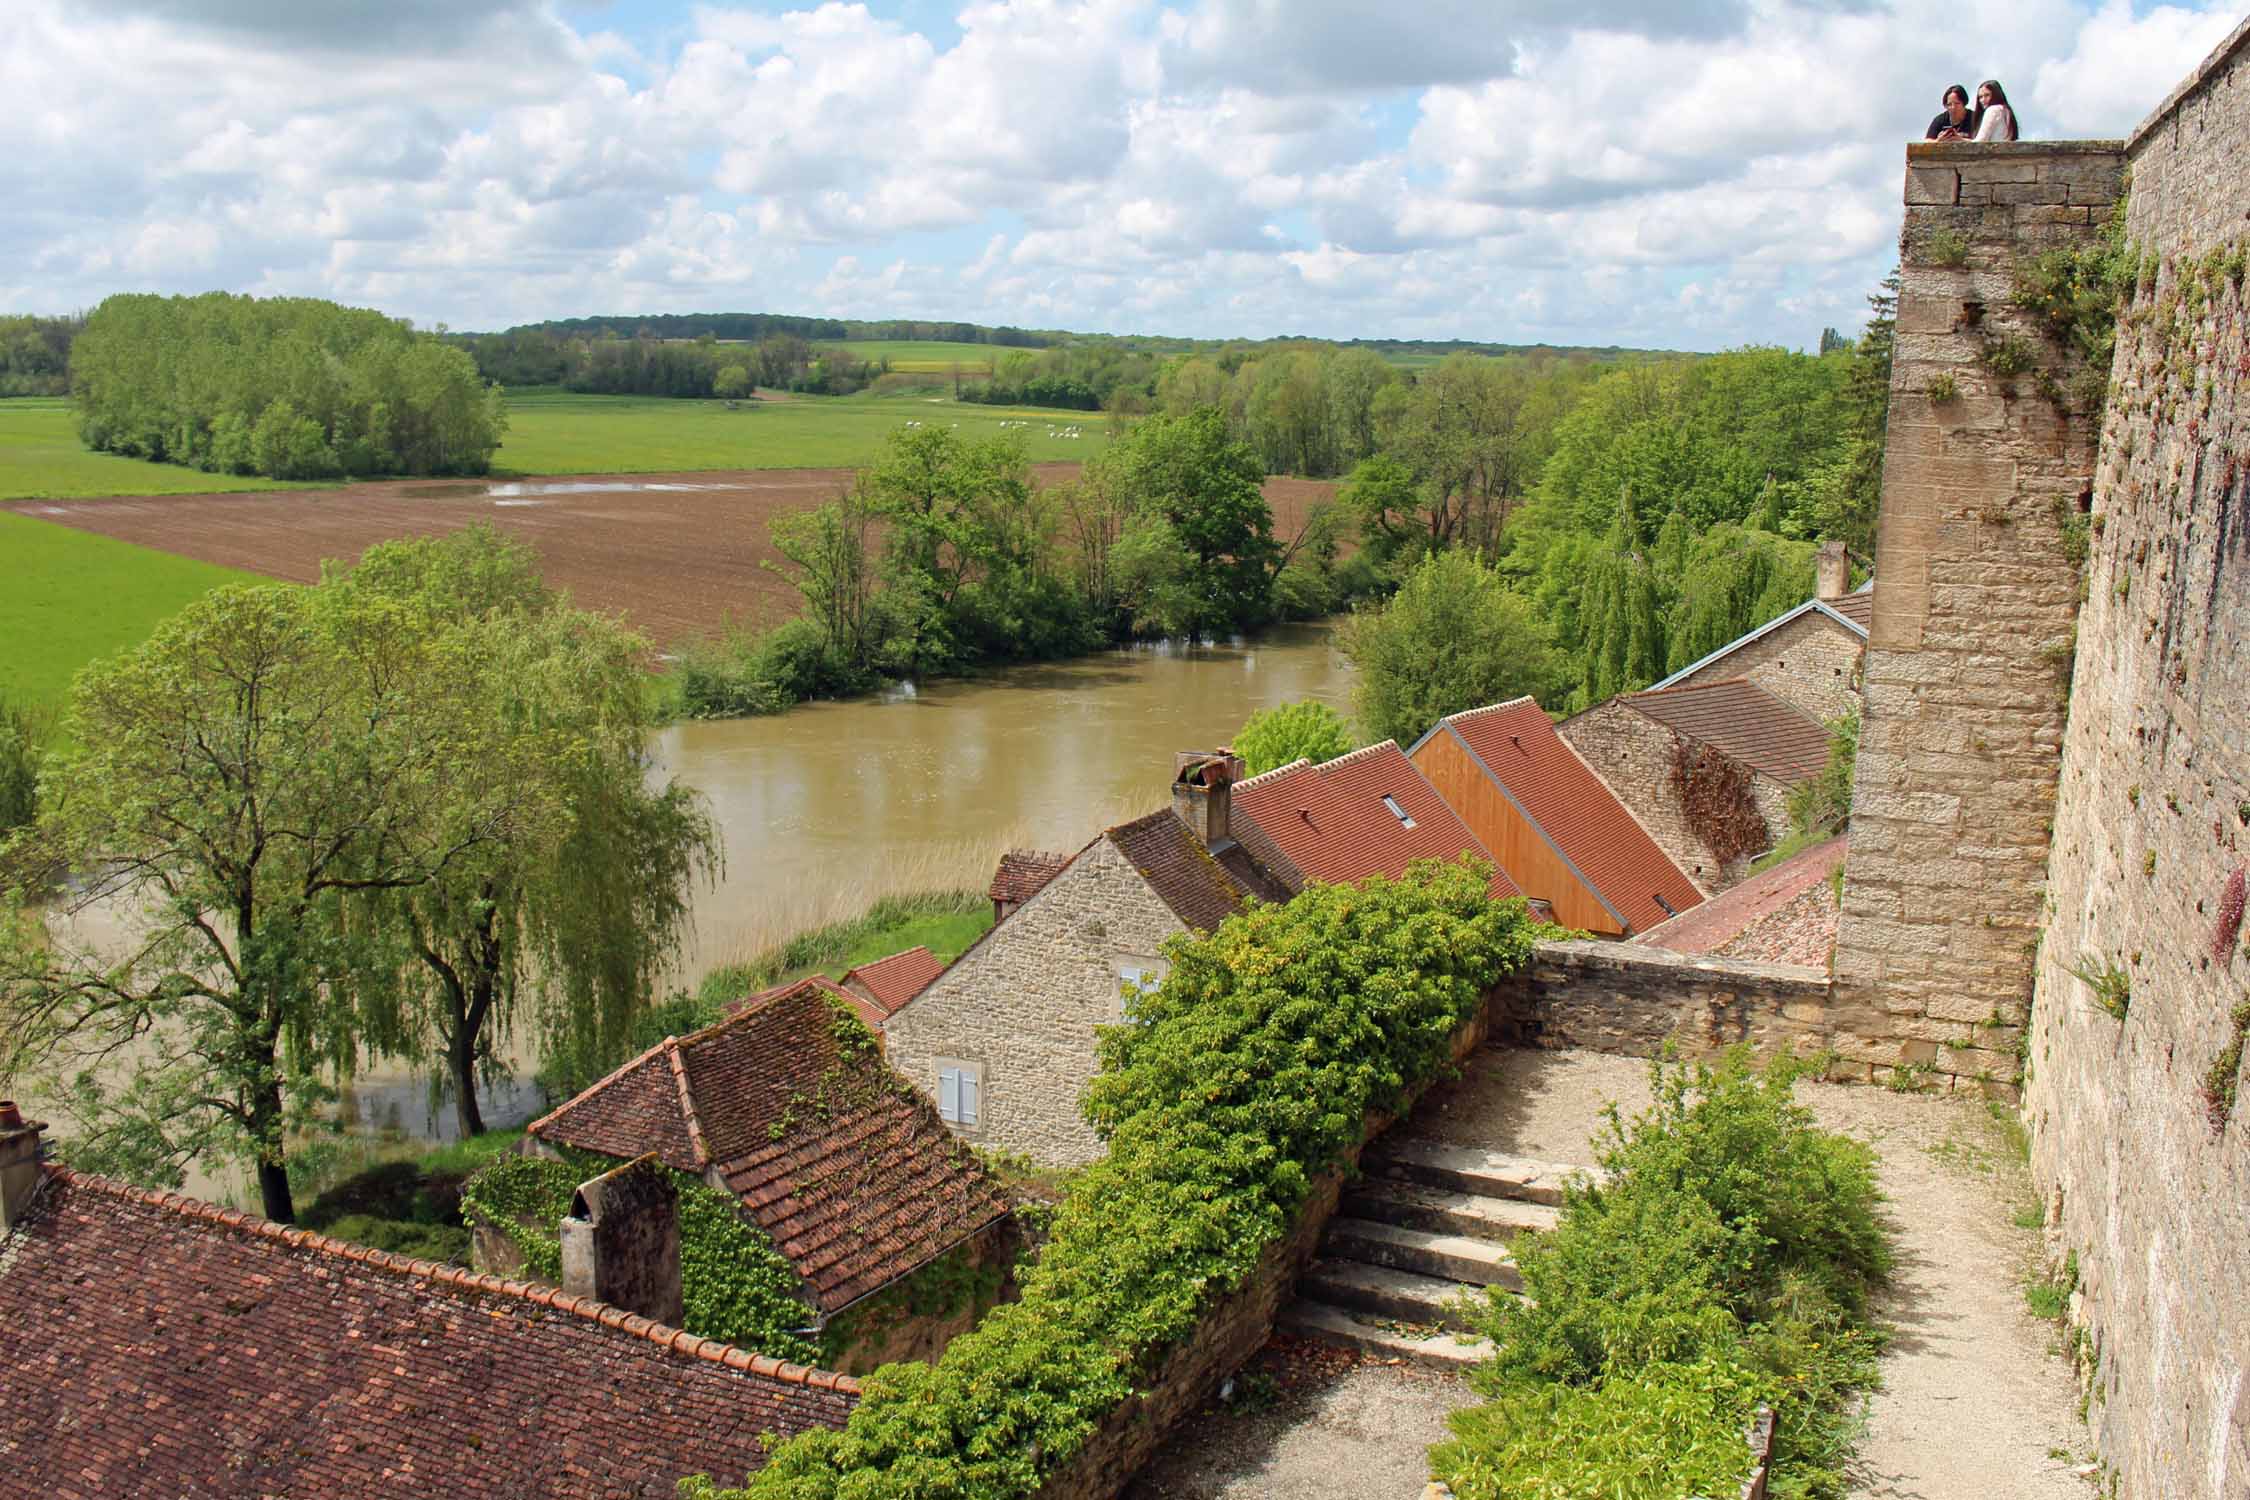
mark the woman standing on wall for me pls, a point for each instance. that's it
(1995, 121)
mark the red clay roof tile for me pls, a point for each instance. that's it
(1202, 887)
(891, 982)
(1576, 810)
(1743, 722)
(1332, 822)
(855, 1190)
(157, 1345)
(1736, 911)
(1023, 873)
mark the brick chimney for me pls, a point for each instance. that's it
(1832, 572)
(19, 1163)
(621, 1243)
(1202, 792)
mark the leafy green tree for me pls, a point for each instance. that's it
(263, 761)
(568, 922)
(1275, 736)
(23, 738)
(1846, 493)
(732, 382)
(1208, 489)
(1454, 637)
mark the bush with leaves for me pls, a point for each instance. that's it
(1249, 1072)
(1273, 737)
(1725, 1265)
(1823, 805)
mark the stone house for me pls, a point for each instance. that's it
(1004, 1040)
(160, 1346)
(1366, 813)
(1811, 656)
(1553, 825)
(1634, 742)
(857, 1191)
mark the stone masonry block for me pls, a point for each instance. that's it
(1932, 185)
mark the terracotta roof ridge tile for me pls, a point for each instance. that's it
(437, 1273)
(1489, 708)
(1351, 755)
(1276, 773)
(687, 1101)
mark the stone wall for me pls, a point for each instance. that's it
(1983, 468)
(2145, 1172)
(1024, 1002)
(1233, 1330)
(1630, 999)
(1812, 663)
(1633, 754)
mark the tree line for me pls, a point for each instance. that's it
(394, 814)
(697, 369)
(35, 354)
(287, 387)
(943, 555)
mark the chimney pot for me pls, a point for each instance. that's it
(621, 1243)
(20, 1172)
(1832, 572)
(1202, 792)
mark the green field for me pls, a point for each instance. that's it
(566, 434)
(919, 356)
(71, 596)
(42, 459)
(554, 432)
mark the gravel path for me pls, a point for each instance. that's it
(1976, 1403)
(1309, 1423)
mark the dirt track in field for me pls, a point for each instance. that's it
(677, 554)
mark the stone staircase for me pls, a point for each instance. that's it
(1425, 1228)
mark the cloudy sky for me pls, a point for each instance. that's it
(1669, 173)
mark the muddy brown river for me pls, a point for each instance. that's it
(828, 807)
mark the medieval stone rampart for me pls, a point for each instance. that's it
(2144, 1162)
(2063, 862)
(1985, 466)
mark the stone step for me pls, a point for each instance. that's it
(1332, 1325)
(1471, 1169)
(1414, 1205)
(1380, 1292)
(1452, 1257)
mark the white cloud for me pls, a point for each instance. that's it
(1586, 170)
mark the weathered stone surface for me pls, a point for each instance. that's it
(1633, 754)
(1933, 185)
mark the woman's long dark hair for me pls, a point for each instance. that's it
(2000, 97)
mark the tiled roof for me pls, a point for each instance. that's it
(1743, 722)
(1858, 607)
(1331, 821)
(1575, 810)
(847, 1168)
(1737, 913)
(873, 1012)
(160, 1346)
(893, 981)
(1202, 887)
(1023, 873)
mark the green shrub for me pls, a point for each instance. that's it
(441, 1242)
(733, 1284)
(1249, 1071)
(23, 740)
(1666, 1431)
(1726, 1264)
(1823, 806)
(1273, 737)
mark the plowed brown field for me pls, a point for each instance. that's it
(675, 553)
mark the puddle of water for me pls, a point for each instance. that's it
(595, 487)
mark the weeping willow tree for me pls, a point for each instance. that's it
(568, 927)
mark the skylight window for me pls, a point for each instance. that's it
(1397, 811)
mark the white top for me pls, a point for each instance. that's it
(1998, 124)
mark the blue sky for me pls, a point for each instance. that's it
(1575, 171)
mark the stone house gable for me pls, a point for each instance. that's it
(1017, 1012)
(1809, 658)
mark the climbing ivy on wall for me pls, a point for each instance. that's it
(1250, 1071)
(1714, 792)
(733, 1284)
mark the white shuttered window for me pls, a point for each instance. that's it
(960, 1092)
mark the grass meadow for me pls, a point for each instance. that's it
(559, 433)
(929, 356)
(70, 597)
